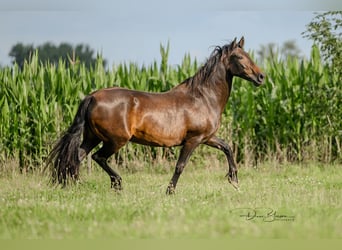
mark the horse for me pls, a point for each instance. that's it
(187, 115)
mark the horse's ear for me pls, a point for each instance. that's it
(233, 44)
(241, 42)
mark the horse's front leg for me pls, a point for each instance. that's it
(224, 147)
(184, 156)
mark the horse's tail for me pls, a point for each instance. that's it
(64, 157)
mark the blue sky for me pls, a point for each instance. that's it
(125, 31)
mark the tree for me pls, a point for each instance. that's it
(271, 50)
(20, 52)
(326, 30)
(290, 49)
(51, 53)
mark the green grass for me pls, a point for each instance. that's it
(204, 205)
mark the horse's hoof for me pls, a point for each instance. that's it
(234, 183)
(116, 185)
(117, 189)
(170, 190)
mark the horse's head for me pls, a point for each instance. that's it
(238, 63)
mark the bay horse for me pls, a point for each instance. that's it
(187, 115)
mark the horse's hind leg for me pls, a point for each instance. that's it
(89, 143)
(101, 157)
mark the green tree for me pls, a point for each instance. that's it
(290, 49)
(49, 52)
(20, 52)
(326, 31)
(271, 50)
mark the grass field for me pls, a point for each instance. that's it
(274, 201)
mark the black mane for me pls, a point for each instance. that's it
(203, 74)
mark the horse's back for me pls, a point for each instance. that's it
(159, 119)
(143, 117)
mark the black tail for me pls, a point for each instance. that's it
(64, 156)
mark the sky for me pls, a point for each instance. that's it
(132, 31)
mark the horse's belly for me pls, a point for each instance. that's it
(157, 139)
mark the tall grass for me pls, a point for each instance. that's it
(295, 116)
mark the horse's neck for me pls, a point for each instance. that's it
(216, 88)
(219, 88)
(223, 93)
(229, 80)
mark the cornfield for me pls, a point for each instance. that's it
(294, 116)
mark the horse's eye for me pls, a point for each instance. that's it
(239, 57)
